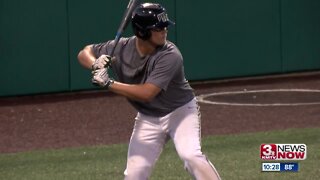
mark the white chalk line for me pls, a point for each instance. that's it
(201, 98)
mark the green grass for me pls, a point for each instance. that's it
(235, 157)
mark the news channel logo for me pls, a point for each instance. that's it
(282, 152)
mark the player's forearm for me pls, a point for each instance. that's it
(86, 57)
(142, 93)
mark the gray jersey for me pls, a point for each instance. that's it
(163, 68)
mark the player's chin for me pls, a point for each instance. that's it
(162, 41)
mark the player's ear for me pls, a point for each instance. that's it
(141, 34)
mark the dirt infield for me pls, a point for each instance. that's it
(94, 118)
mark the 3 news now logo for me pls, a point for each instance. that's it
(283, 151)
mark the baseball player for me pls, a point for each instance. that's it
(149, 72)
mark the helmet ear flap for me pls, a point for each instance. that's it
(146, 34)
(142, 33)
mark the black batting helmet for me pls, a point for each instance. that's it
(148, 16)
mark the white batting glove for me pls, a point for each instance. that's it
(101, 62)
(101, 77)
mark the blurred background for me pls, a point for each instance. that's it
(40, 39)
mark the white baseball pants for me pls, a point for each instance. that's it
(150, 134)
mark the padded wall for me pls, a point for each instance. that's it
(33, 47)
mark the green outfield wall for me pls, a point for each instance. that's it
(40, 39)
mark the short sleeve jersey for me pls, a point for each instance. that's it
(164, 68)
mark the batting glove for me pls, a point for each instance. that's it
(101, 78)
(101, 62)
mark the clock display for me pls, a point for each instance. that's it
(272, 167)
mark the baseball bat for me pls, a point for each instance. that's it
(124, 23)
